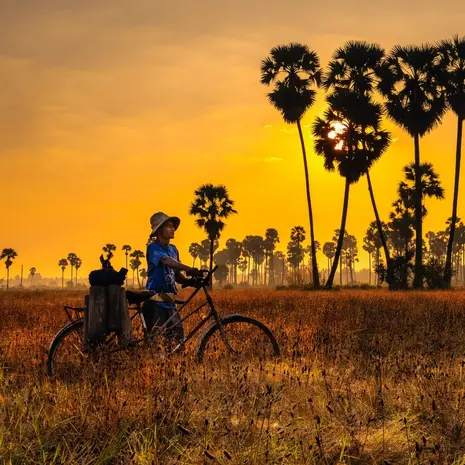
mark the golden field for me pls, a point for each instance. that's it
(368, 377)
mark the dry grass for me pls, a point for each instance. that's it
(365, 377)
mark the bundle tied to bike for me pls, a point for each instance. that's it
(106, 307)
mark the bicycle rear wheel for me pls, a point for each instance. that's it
(248, 339)
(66, 358)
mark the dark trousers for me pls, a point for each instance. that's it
(156, 315)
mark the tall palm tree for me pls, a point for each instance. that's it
(194, 251)
(32, 272)
(137, 255)
(72, 261)
(349, 138)
(77, 265)
(127, 248)
(8, 255)
(294, 69)
(212, 205)
(63, 263)
(354, 67)
(415, 103)
(451, 67)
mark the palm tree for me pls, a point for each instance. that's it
(329, 250)
(234, 250)
(372, 243)
(63, 263)
(137, 255)
(9, 255)
(271, 239)
(451, 67)
(294, 69)
(349, 138)
(32, 272)
(109, 249)
(194, 251)
(77, 265)
(127, 248)
(143, 275)
(353, 67)
(72, 261)
(281, 258)
(298, 237)
(212, 205)
(415, 103)
(134, 264)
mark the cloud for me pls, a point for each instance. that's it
(272, 159)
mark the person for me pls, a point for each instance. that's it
(164, 270)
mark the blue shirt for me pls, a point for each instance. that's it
(161, 278)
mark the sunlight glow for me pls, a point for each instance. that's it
(337, 128)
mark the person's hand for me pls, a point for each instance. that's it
(192, 282)
(194, 272)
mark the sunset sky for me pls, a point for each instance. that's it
(112, 110)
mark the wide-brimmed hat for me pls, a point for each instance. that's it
(157, 219)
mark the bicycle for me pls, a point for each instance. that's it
(231, 336)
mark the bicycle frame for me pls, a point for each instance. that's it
(212, 314)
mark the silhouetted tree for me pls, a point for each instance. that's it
(32, 272)
(77, 265)
(137, 255)
(194, 251)
(349, 138)
(127, 248)
(294, 69)
(415, 103)
(451, 76)
(63, 263)
(8, 255)
(353, 67)
(72, 261)
(212, 205)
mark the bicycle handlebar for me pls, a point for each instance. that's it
(203, 281)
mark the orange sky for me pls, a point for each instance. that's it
(112, 110)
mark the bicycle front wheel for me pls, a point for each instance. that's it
(243, 339)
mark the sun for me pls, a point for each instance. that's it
(338, 128)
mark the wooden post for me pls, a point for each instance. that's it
(96, 321)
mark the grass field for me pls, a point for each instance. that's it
(366, 377)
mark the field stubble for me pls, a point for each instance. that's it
(365, 377)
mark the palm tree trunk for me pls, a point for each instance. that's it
(316, 278)
(62, 278)
(418, 281)
(71, 275)
(7, 277)
(340, 269)
(127, 260)
(458, 155)
(329, 283)
(138, 279)
(211, 262)
(369, 268)
(379, 225)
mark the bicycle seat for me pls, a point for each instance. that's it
(138, 297)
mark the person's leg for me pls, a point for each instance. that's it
(154, 315)
(175, 328)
